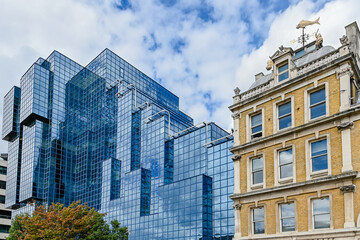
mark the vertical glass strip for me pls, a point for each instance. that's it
(169, 162)
(145, 192)
(207, 207)
(135, 140)
(115, 179)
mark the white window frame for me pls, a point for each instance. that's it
(307, 93)
(276, 122)
(321, 173)
(250, 184)
(278, 180)
(251, 222)
(278, 66)
(279, 221)
(249, 127)
(311, 212)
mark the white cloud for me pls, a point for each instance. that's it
(216, 56)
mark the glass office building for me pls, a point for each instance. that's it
(112, 137)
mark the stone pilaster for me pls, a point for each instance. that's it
(344, 74)
(346, 145)
(237, 208)
(348, 191)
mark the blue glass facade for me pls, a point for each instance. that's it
(110, 136)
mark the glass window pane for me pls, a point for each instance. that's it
(258, 214)
(288, 224)
(318, 148)
(257, 177)
(317, 96)
(259, 228)
(283, 68)
(283, 76)
(319, 163)
(284, 109)
(285, 122)
(287, 210)
(257, 129)
(256, 120)
(286, 171)
(321, 206)
(257, 164)
(285, 156)
(318, 110)
(322, 221)
(299, 54)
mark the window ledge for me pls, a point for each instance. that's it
(318, 174)
(318, 118)
(257, 186)
(286, 180)
(311, 182)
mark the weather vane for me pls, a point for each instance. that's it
(305, 36)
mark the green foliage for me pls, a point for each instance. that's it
(58, 222)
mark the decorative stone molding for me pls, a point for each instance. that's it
(236, 157)
(344, 71)
(236, 115)
(345, 125)
(237, 206)
(344, 40)
(348, 188)
(236, 99)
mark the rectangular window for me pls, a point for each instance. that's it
(283, 72)
(256, 126)
(258, 220)
(2, 170)
(286, 163)
(317, 104)
(2, 199)
(287, 217)
(257, 170)
(2, 185)
(284, 111)
(319, 158)
(321, 213)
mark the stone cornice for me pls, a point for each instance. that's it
(298, 128)
(296, 185)
(293, 81)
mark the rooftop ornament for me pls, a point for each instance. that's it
(305, 36)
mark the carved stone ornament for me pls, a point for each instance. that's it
(236, 157)
(237, 91)
(237, 206)
(344, 40)
(235, 115)
(345, 125)
(269, 65)
(344, 71)
(348, 188)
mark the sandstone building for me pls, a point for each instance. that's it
(296, 155)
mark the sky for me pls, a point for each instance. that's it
(198, 49)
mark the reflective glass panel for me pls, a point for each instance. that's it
(319, 155)
(321, 213)
(258, 220)
(287, 217)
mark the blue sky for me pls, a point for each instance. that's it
(199, 49)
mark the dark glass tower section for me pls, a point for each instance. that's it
(110, 136)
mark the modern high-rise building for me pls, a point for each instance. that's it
(296, 152)
(112, 137)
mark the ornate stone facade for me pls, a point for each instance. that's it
(296, 155)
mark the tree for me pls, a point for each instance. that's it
(58, 222)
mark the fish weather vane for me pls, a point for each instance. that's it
(305, 36)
